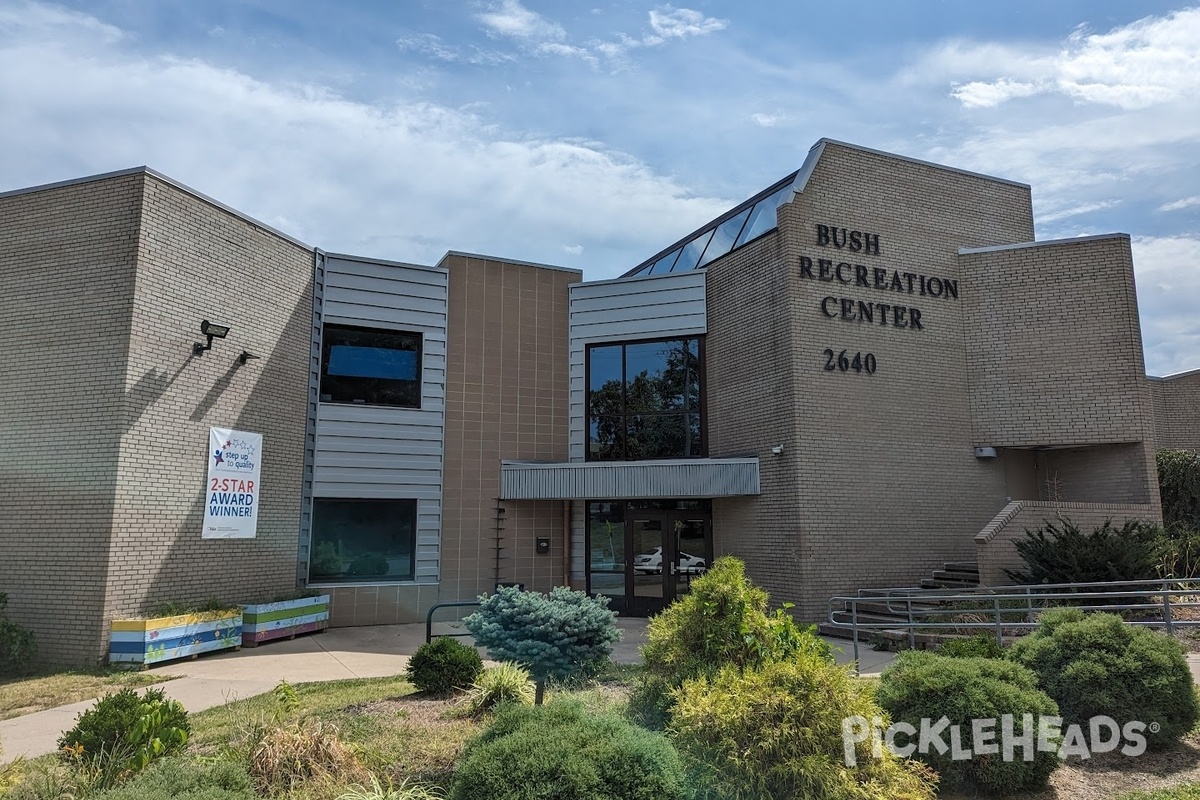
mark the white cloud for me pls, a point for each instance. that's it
(1168, 284)
(23, 18)
(767, 120)
(573, 249)
(1179, 205)
(512, 19)
(1074, 211)
(683, 22)
(400, 180)
(1151, 61)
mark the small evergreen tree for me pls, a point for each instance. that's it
(552, 635)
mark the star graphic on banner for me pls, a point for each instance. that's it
(228, 443)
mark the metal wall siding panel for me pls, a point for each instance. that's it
(628, 480)
(377, 452)
(614, 311)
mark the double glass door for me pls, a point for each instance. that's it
(657, 554)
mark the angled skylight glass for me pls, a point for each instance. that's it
(726, 233)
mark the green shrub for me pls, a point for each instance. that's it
(326, 560)
(776, 731)
(1067, 555)
(443, 665)
(650, 702)
(559, 750)
(723, 621)
(981, 645)
(122, 733)
(552, 635)
(1179, 486)
(503, 683)
(18, 647)
(922, 685)
(368, 564)
(185, 779)
(1179, 551)
(1097, 665)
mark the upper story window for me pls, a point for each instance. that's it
(645, 400)
(370, 366)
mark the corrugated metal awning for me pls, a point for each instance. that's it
(628, 480)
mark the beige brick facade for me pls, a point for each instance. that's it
(107, 410)
(1176, 403)
(896, 366)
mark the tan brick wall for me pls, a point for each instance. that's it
(878, 482)
(1176, 403)
(506, 398)
(198, 261)
(68, 255)
(994, 544)
(1053, 344)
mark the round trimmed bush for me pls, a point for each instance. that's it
(926, 686)
(560, 750)
(777, 731)
(443, 665)
(1096, 665)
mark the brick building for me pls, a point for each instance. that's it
(861, 372)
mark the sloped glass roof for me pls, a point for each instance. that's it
(726, 233)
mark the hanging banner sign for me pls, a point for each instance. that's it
(232, 492)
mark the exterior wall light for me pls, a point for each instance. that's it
(777, 449)
(246, 356)
(985, 452)
(212, 332)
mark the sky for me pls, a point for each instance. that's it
(592, 135)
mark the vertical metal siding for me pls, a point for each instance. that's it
(658, 307)
(379, 452)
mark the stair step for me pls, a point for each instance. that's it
(960, 577)
(961, 566)
(945, 583)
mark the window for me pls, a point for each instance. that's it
(362, 540)
(644, 400)
(370, 366)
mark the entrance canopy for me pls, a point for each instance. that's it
(691, 477)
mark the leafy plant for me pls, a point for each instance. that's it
(171, 778)
(211, 607)
(551, 635)
(122, 733)
(1179, 486)
(1097, 665)
(443, 665)
(981, 645)
(1065, 554)
(560, 750)
(310, 750)
(927, 686)
(393, 791)
(503, 683)
(18, 647)
(722, 622)
(326, 560)
(776, 730)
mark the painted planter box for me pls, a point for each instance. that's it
(149, 641)
(283, 620)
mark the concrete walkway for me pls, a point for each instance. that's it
(337, 654)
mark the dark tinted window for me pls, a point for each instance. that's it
(370, 366)
(362, 540)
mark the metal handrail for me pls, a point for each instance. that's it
(1148, 596)
(450, 604)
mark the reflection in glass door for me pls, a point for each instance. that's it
(644, 554)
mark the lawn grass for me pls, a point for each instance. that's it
(37, 693)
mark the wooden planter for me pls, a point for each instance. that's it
(283, 620)
(150, 641)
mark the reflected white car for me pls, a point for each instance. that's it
(651, 563)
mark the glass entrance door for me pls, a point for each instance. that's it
(644, 554)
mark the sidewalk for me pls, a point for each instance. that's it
(337, 654)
